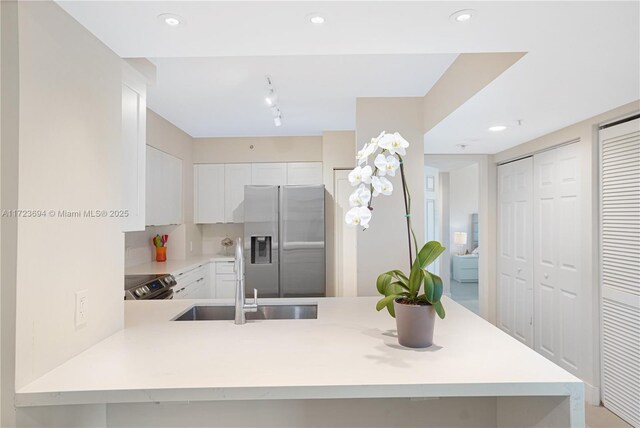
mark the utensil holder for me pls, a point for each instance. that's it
(161, 254)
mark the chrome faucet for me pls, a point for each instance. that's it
(241, 307)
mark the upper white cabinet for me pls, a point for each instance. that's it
(163, 188)
(209, 193)
(219, 188)
(304, 173)
(268, 173)
(134, 117)
(236, 176)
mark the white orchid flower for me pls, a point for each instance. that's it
(360, 175)
(365, 152)
(381, 186)
(394, 143)
(361, 197)
(386, 165)
(358, 216)
(377, 139)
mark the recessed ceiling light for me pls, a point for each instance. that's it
(316, 19)
(462, 15)
(497, 128)
(171, 19)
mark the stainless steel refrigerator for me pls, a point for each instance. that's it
(284, 241)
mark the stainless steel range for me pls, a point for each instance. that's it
(148, 287)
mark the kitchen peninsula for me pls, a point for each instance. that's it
(346, 362)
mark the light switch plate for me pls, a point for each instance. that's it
(82, 308)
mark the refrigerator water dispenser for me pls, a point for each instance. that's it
(260, 250)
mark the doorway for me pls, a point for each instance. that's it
(451, 215)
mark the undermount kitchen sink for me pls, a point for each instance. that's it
(264, 312)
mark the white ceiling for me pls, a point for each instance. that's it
(226, 96)
(583, 58)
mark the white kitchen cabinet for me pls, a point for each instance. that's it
(134, 118)
(163, 188)
(192, 283)
(225, 280)
(268, 173)
(304, 173)
(236, 176)
(209, 193)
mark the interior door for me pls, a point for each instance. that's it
(345, 238)
(515, 250)
(431, 211)
(558, 268)
(620, 264)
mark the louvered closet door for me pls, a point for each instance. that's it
(558, 268)
(515, 250)
(620, 276)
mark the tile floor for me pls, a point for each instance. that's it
(600, 417)
(466, 293)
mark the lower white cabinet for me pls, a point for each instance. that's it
(225, 280)
(192, 283)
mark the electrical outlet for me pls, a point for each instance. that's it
(82, 307)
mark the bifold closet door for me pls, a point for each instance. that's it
(620, 264)
(515, 249)
(558, 255)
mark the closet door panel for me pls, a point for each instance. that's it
(515, 250)
(558, 251)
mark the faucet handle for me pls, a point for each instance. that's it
(255, 296)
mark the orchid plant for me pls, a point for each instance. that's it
(387, 151)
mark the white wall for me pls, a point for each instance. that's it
(384, 246)
(213, 234)
(463, 201)
(338, 151)
(257, 149)
(69, 159)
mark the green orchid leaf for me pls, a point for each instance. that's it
(428, 286)
(383, 281)
(385, 301)
(395, 288)
(400, 276)
(439, 309)
(391, 309)
(437, 287)
(429, 253)
(415, 278)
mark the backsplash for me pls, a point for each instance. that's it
(139, 249)
(213, 234)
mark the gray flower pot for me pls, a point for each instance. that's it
(415, 325)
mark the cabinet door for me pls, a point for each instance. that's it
(236, 176)
(173, 189)
(153, 213)
(209, 193)
(134, 111)
(164, 188)
(268, 174)
(225, 286)
(304, 173)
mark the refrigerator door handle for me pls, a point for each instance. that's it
(280, 240)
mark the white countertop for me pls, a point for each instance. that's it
(348, 352)
(157, 268)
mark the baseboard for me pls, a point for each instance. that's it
(591, 394)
